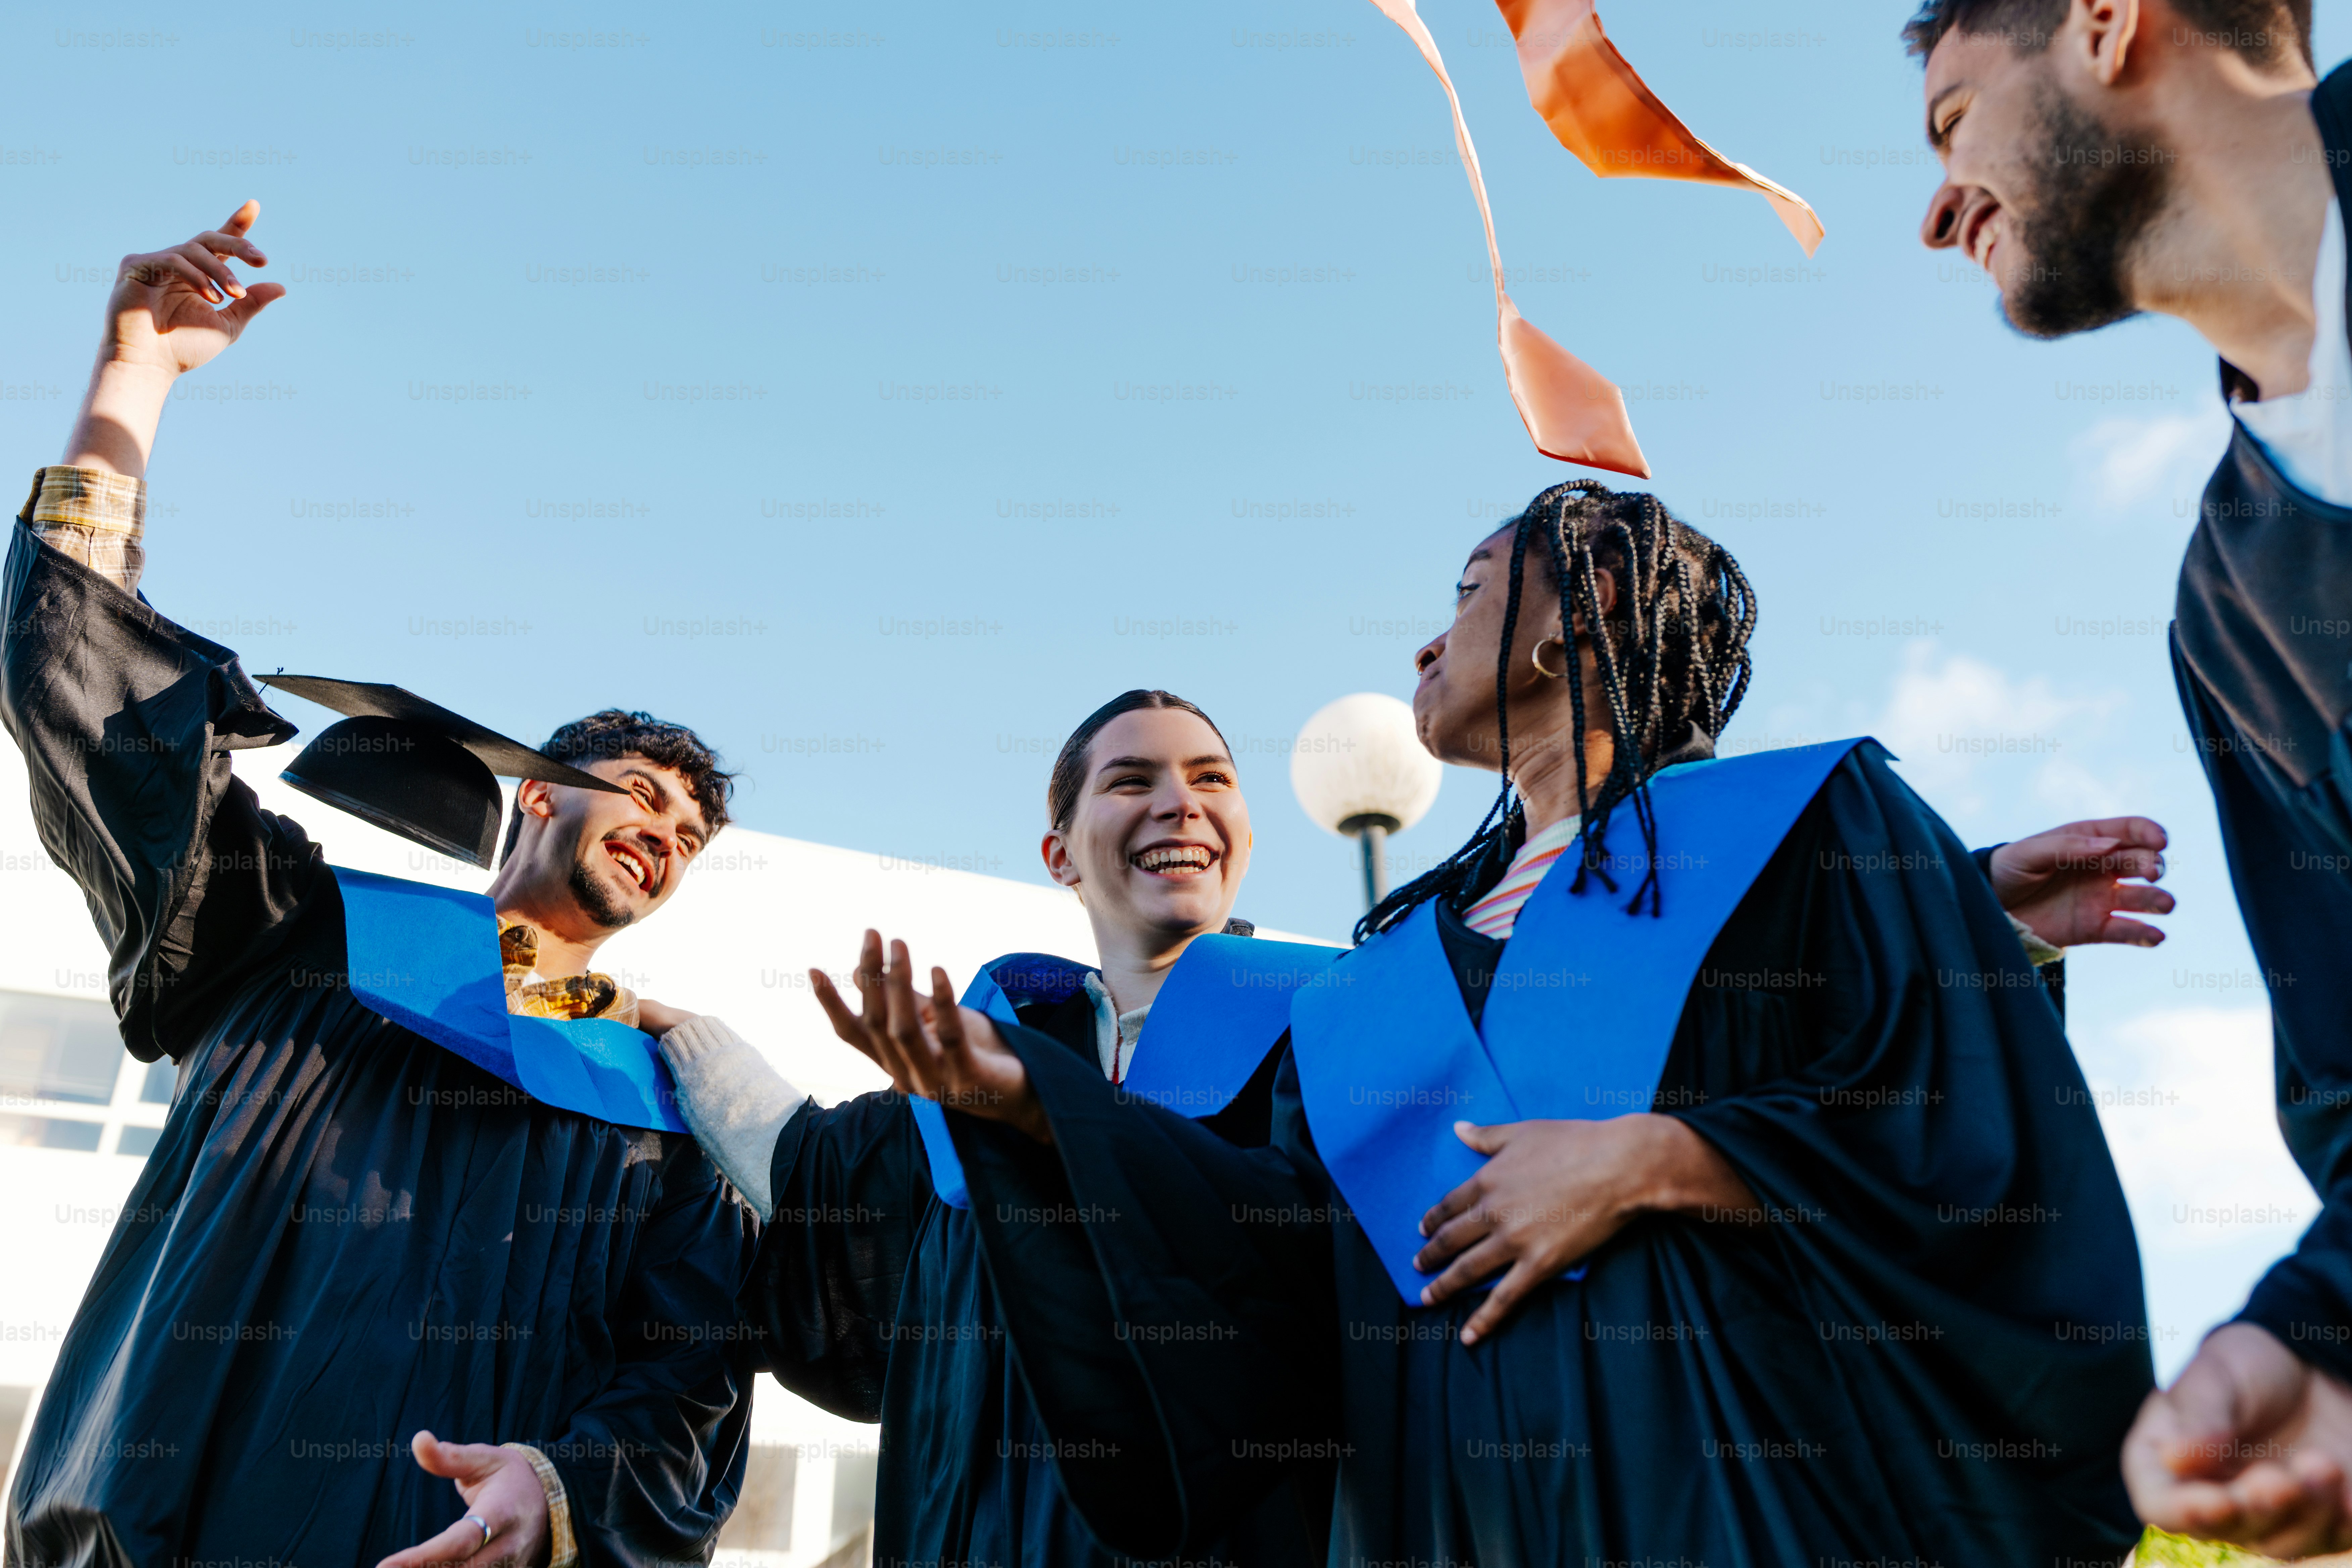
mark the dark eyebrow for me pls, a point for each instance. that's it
(1112, 762)
(1940, 140)
(1480, 554)
(1207, 759)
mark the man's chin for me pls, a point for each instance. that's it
(601, 898)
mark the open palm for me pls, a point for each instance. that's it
(161, 314)
(2075, 885)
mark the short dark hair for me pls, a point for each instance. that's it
(1068, 779)
(2261, 30)
(626, 732)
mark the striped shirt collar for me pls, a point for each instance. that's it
(1498, 911)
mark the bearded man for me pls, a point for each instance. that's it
(2108, 157)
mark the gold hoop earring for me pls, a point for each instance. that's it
(1536, 659)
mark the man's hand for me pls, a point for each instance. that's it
(931, 1047)
(2069, 883)
(498, 1487)
(2251, 1446)
(1553, 1192)
(161, 322)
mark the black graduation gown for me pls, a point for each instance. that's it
(346, 1233)
(871, 1298)
(2262, 650)
(1930, 1351)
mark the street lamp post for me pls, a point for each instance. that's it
(1360, 771)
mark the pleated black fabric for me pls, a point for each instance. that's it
(346, 1234)
(1929, 1352)
(871, 1298)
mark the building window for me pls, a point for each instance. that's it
(56, 1047)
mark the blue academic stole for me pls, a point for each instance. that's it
(1582, 1010)
(1221, 1009)
(428, 959)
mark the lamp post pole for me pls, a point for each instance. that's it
(1371, 831)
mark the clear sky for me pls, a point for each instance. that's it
(878, 390)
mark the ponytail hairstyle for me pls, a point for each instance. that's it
(1069, 780)
(1672, 656)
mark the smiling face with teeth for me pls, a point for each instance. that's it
(588, 862)
(1160, 838)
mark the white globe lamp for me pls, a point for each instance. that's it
(1360, 769)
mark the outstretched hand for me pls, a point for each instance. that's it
(161, 316)
(2250, 1444)
(2073, 885)
(499, 1489)
(931, 1047)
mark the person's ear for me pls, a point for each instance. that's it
(2100, 34)
(536, 797)
(1060, 864)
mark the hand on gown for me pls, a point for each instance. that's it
(931, 1047)
(2068, 883)
(2249, 1446)
(1552, 1191)
(501, 1489)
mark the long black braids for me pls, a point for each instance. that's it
(1671, 657)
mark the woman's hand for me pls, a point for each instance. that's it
(1553, 1192)
(931, 1047)
(2068, 883)
(160, 324)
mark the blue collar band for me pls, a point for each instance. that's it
(426, 958)
(1582, 1010)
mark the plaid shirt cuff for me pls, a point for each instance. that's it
(562, 1546)
(98, 518)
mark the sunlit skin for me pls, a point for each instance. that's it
(2250, 1444)
(1156, 849)
(2235, 252)
(634, 846)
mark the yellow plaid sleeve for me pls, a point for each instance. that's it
(98, 518)
(563, 1545)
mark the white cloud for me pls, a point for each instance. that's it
(1957, 721)
(2126, 464)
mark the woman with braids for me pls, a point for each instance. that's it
(869, 1295)
(1690, 1170)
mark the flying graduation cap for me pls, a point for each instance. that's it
(415, 768)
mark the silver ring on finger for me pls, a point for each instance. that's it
(477, 1520)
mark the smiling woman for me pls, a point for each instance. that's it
(869, 1294)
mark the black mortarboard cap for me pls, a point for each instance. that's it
(415, 768)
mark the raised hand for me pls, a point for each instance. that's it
(500, 1489)
(2252, 1445)
(931, 1047)
(2069, 884)
(161, 322)
(161, 316)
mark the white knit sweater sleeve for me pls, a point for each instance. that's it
(735, 1102)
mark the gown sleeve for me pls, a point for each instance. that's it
(1168, 1297)
(653, 1463)
(2297, 903)
(126, 723)
(853, 1189)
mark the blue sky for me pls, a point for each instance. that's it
(878, 391)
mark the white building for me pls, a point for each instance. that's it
(78, 1114)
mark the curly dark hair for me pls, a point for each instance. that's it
(627, 732)
(1672, 657)
(2261, 30)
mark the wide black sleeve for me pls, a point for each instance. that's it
(1168, 1297)
(853, 1189)
(1919, 1130)
(653, 1464)
(126, 723)
(2293, 891)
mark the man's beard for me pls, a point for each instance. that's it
(2097, 197)
(596, 900)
